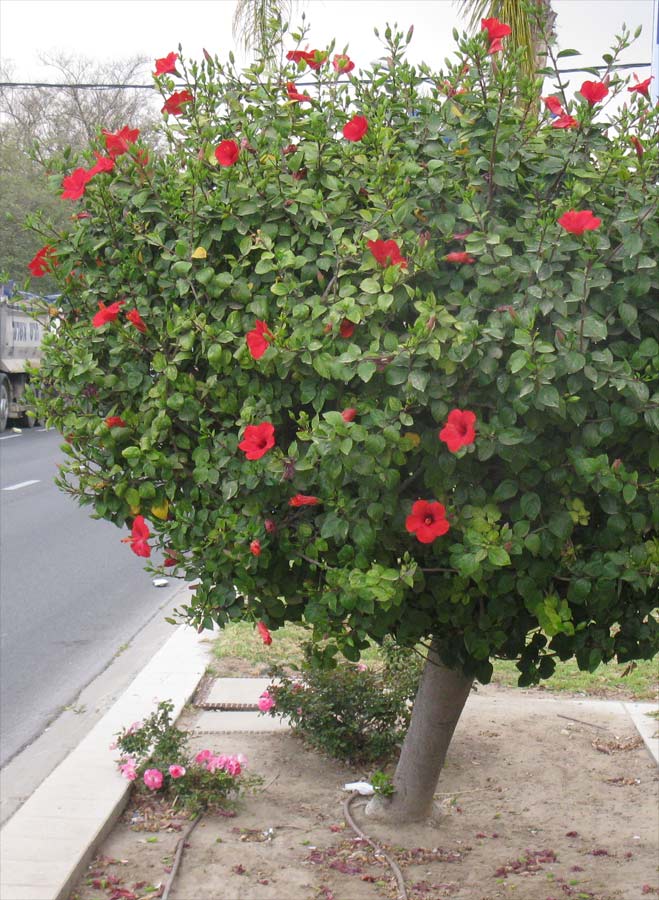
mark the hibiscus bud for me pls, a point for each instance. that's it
(288, 203)
(349, 414)
(287, 151)
(432, 321)
(424, 237)
(300, 174)
(201, 153)
(508, 546)
(560, 337)
(255, 548)
(616, 464)
(363, 192)
(327, 329)
(270, 526)
(289, 470)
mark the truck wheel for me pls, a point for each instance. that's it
(4, 403)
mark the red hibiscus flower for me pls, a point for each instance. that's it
(355, 129)
(349, 414)
(576, 222)
(642, 87)
(257, 440)
(387, 253)
(303, 500)
(593, 91)
(554, 106)
(638, 146)
(139, 537)
(259, 339)
(270, 526)
(166, 65)
(460, 256)
(342, 63)
(102, 164)
(265, 634)
(296, 56)
(346, 328)
(74, 184)
(107, 314)
(117, 143)
(294, 95)
(565, 121)
(459, 429)
(427, 521)
(255, 548)
(43, 261)
(313, 58)
(174, 104)
(136, 319)
(115, 422)
(495, 31)
(170, 561)
(227, 153)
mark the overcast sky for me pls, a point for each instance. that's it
(111, 29)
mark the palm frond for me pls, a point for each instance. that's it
(524, 17)
(252, 21)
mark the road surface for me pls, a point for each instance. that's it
(71, 594)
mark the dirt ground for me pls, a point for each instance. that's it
(535, 806)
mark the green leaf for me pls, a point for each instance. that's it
(530, 505)
(366, 370)
(505, 490)
(548, 396)
(498, 556)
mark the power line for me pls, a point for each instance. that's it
(151, 87)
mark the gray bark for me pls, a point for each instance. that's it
(438, 705)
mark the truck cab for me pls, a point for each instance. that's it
(20, 350)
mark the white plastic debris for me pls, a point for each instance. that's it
(362, 787)
(160, 582)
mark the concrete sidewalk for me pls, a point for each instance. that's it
(45, 847)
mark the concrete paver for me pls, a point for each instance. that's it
(230, 720)
(235, 692)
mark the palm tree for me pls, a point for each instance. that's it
(252, 23)
(532, 23)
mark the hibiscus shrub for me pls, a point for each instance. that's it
(377, 352)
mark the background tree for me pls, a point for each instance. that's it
(38, 122)
(383, 358)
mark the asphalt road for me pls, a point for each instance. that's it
(71, 594)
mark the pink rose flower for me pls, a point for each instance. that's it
(202, 757)
(153, 779)
(177, 771)
(266, 702)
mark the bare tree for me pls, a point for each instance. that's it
(90, 96)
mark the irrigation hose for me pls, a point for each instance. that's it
(402, 893)
(179, 855)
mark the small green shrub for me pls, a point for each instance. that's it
(350, 712)
(155, 756)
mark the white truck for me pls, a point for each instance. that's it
(20, 349)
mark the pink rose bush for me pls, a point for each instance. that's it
(155, 756)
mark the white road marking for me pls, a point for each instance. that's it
(21, 484)
(8, 437)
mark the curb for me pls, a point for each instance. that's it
(647, 727)
(47, 843)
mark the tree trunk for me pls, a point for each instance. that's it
(438, 705)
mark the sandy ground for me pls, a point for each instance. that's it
(535, 806)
